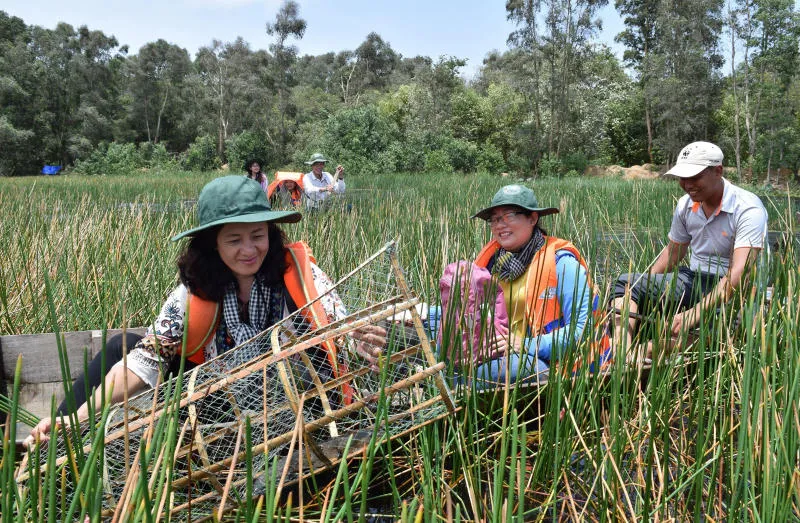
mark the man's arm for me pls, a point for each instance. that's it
(669, 257)
(722, 291)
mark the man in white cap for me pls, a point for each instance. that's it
(722, 226)
(319, 184)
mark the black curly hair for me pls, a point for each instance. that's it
(205, 274)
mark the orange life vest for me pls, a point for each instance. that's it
(543, 309)
(203, 316)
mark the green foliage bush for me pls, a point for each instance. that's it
(124, 158)
(358, 138)
(201, 155)
(247, 145)
(549, 167)
(438, 162)
(110, 159)
(15, 158)
(490, 160)
(463, 155)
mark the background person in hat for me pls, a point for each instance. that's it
(319, 184)
(237, 277)
(722, 226)
(286, 191)
(252, 170)
(545, 285)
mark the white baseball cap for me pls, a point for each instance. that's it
(694, 158)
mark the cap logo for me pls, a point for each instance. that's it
(510, 190)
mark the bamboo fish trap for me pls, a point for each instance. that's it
(284, 383)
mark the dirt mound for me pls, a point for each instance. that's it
(635, 172)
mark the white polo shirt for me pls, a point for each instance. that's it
(312, 186)
(740, 221)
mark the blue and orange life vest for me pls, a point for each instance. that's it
(204, 315)
(543, 309)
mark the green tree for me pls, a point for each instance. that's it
(287, 24)
(234, 90)
(157, 80)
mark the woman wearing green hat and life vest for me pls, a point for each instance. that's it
(545, 284)
(238, 276)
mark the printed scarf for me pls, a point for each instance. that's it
(509, 266)
(265, 308)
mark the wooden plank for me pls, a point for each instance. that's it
(36, 397)
(40, 362)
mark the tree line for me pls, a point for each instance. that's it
(555, 101)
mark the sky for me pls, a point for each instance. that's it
(463, 28)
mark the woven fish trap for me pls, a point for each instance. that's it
(294, 385)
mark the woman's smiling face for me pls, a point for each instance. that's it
(243, 247)
(512, 226)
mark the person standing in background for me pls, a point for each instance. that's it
(319, 184)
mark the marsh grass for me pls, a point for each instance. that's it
(710, 435)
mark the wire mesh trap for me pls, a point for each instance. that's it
(289, 381)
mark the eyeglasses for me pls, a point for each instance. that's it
(505, 218)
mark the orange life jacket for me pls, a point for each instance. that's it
(543, 309)
(203, 316)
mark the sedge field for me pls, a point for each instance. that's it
(711, 434)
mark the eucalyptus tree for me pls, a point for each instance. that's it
(555, 39)
(70, 89)
(157, 80)
(17, 89)
(770, 30)
(235, 92)
(287, 24)
(640, 40)
(673, 45)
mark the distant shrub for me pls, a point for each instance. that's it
(438, 162)
(357, 138)
(490, 160)
(463, 155)
(201, 155)
(110, 159)
(549, 167)
(576, 161)
(124, 158)
(156, 156)
(408, 155)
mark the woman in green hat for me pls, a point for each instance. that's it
(545, 284)
(238, 276)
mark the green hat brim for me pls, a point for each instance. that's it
(484, 214)
(262, 216)
(316, 161)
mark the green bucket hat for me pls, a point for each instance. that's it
(517, 195)
(316, 158)
(235, 199)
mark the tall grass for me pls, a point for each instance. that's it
(711, 435)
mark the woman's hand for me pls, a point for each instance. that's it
(683, 321)
(501, 344)
(370, 341)
(41, 432)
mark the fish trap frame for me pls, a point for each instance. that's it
(286, 384)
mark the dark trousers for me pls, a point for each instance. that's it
(95, 371)
(666, 292)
